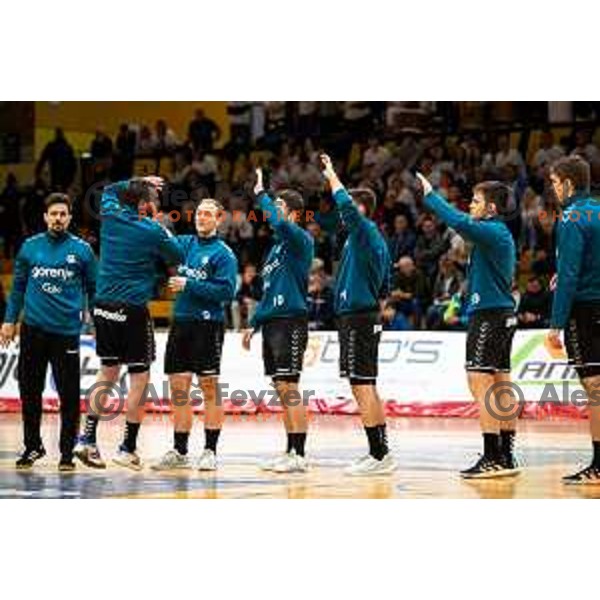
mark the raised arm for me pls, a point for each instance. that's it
(112, 194)
(169, 248)
(274, 215)
(110, 199)
(349, 211)
(472, 229)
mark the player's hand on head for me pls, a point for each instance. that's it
(177, 284)
(157, 182)
(247, 338)
(425, 185)
(259, 185)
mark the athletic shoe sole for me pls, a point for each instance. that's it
(581, 482)
(82, 456)
(492, 475)
(67, 468)
(127, 465)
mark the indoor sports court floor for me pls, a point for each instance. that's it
(429, 452)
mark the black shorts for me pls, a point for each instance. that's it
(195, 347)
(582, 339)
(124, 335)
(359, 336)
(489, 340)
(283, 345)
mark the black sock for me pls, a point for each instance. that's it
(384, 440)
(297, 442)
(131, 433)
(91, 425)
(596, 459)
(211, 438)
(375, 442)
(491, 442)
(181, 442)
(507, 443)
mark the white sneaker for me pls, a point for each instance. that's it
(368, 465)
(130, 460)
(270, 463)
(172, 461)
(290, 463)
(207, 461)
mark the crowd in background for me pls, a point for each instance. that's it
(375, 145)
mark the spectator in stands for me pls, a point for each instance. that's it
(543, 261)
(164, 140)
(429, 248)
(530, 210)
(275, 123)
(449, 281)
(535, 306)
(504, 155)
(455, 316)
(409, 291)
(101, 147)
(357, 119)
(307, 123)
(376, 155)
(306, 175)
(239, 114)
(548, 151)
(394, 320)
(124, 155)
(280, 174)
(10, 226)
(323, 246)
(206, 167)
(248, 294)
(203, 132)
(238, 232)
(320, 298)
(34, 208)
(385, 214)
(584, 146)
(145, 142)
(403, 239)
(60, 157)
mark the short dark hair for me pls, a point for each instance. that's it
(139, 190)
(576, 169)
(497, 193)
(292, 199)
(58, 198)
(366, 197)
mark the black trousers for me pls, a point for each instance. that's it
(37, 348)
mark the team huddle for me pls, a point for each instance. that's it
(57, 282)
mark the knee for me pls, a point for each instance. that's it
(180, 383)
(209, 388)
(109, 373)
